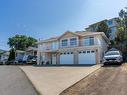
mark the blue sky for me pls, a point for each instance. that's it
(46, 18)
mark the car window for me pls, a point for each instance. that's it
(112, 53)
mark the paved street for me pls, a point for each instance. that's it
(111, 80)
(14, 82)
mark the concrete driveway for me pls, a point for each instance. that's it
(53, 80)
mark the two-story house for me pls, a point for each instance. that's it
(73, 48)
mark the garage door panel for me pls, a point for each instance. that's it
(66, 59)
(87, 58)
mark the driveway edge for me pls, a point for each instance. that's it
(30, 80)
(83, 78)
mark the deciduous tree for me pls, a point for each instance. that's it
(21, 42)
(121, 38)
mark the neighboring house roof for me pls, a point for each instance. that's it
(48, 40)
(20, 51)
(78, 33)
(98, 22)
(2, 51)
(106, 20)
(31, 48)
(6, 53)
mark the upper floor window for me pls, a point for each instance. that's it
(73, 41)
(110, 22)
(64, 42)
(89, 41)
(54, 45)
(113, 29)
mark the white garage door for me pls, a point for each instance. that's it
(87, 57)
(66, 58)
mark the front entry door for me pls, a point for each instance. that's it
(53, 58)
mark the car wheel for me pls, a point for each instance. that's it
(105, 63)
(120, 63)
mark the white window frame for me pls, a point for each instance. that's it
(88, 39)
(68, 42)
(61, 42)
(77, 41)
(55, 45)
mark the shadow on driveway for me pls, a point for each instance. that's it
(65, 65)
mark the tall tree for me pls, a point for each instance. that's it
(123, 20)
(103, 27)
(11, 55)
(121, 38)
(21, 42)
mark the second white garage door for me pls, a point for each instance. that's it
(87, 57)
(66, 58)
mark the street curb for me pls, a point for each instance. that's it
(38, 92)
(81, 79)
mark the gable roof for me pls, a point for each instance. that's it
(78, 33)
(48, 40)
(74, 33)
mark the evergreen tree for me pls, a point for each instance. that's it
(12, 55)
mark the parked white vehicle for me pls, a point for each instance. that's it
(113, 57)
